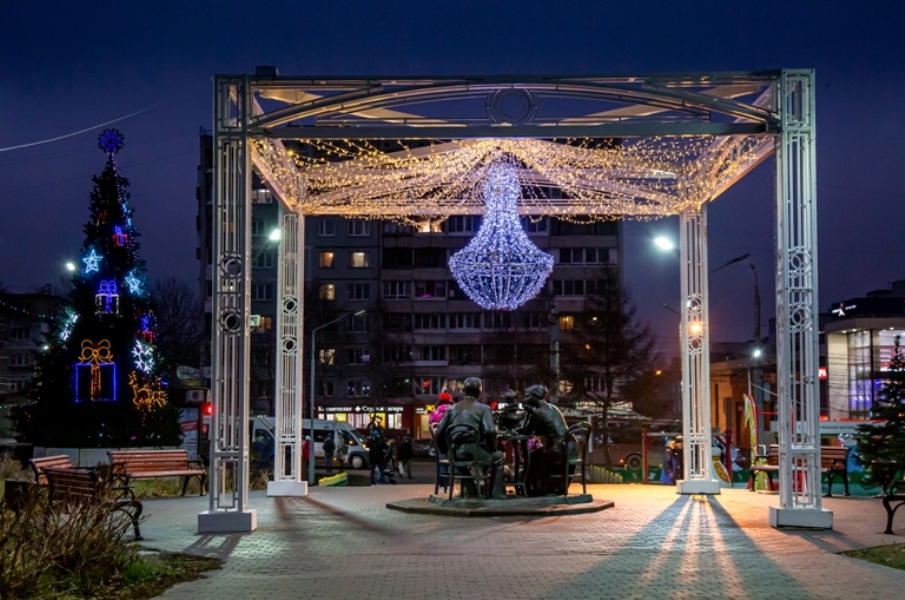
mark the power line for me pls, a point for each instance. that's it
(99, 125)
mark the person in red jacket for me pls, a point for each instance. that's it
(306, 449)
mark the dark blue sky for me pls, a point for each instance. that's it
(65, 67)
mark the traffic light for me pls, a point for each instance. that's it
(207, 409)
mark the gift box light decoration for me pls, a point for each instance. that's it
(500, 269)
(107, 298)
(100, 383)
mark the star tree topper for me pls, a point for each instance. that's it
(110, 141)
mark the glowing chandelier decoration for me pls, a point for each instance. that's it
(500, 269)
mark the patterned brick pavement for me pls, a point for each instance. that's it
(343, 543)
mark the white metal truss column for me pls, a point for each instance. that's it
(228, 510)
(287, 470)
(695, 357)
(796, 308)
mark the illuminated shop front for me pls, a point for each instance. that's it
(860, 342)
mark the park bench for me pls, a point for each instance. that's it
(59, 461)
(70, 488)
(833, 462)
(131, 465)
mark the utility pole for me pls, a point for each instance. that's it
(554, 352)
(758, 394)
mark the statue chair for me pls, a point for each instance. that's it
(442, 463)
(576, 461)
(466, 462)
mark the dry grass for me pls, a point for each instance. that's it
(84, 551)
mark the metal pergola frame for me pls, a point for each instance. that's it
(252, 114)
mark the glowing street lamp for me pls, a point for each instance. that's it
(664, 243)
(274, 235)
(70, 266)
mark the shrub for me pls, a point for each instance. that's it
(48, 552)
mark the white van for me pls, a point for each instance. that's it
(343, 433)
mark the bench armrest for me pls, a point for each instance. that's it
(198, 462)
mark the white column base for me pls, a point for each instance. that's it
(698, 486)
(227, 522)
(287, 488)
(810, 518)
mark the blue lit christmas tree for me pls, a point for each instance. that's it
(99, 382)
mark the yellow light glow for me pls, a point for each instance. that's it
(696, 328)
(642, 178)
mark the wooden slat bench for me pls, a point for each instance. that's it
(152, 464)
(59, 461)
(71, 487)
(833, 462)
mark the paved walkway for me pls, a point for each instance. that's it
(343, 543)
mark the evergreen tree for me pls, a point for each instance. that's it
(885, 441)
(98, 384)
(607, 350)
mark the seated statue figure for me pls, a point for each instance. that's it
(546, 422)
(471, 412)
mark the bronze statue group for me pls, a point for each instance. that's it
(539, 429)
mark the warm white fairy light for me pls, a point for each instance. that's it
(637, 178)
(500, 269)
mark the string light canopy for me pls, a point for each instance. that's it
(572, 179)
(500, 269)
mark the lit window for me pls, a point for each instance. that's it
(326, 356)
(359, 260)
(327, 291)
(325, 260)
(566, 323)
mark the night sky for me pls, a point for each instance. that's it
(64, 68)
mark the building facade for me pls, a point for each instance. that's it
(25, 321)
(860, 341)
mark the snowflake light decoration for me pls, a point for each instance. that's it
(144, 356)
(69, 325)
(92, 262)
(110, 141)
(500, 269)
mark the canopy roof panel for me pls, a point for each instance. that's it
(584, 147)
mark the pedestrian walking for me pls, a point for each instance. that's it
(328, 447)
(377, 449)
(342, 451)
(405, 454)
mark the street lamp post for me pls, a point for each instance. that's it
(311, 393)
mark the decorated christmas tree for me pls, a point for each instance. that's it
(98, 384)
(884, 440)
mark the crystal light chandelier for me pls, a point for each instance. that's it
(500, 268)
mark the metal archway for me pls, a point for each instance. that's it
(253, 114)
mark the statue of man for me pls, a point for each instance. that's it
(547, 423)
(471, 412)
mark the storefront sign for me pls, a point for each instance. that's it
(360, 409)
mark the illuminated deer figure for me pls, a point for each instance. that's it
(146, 396)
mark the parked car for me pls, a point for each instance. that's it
(262, 428)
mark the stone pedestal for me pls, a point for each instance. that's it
(287, 488)
(227, 522)
(810, 518)
(693, 486)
